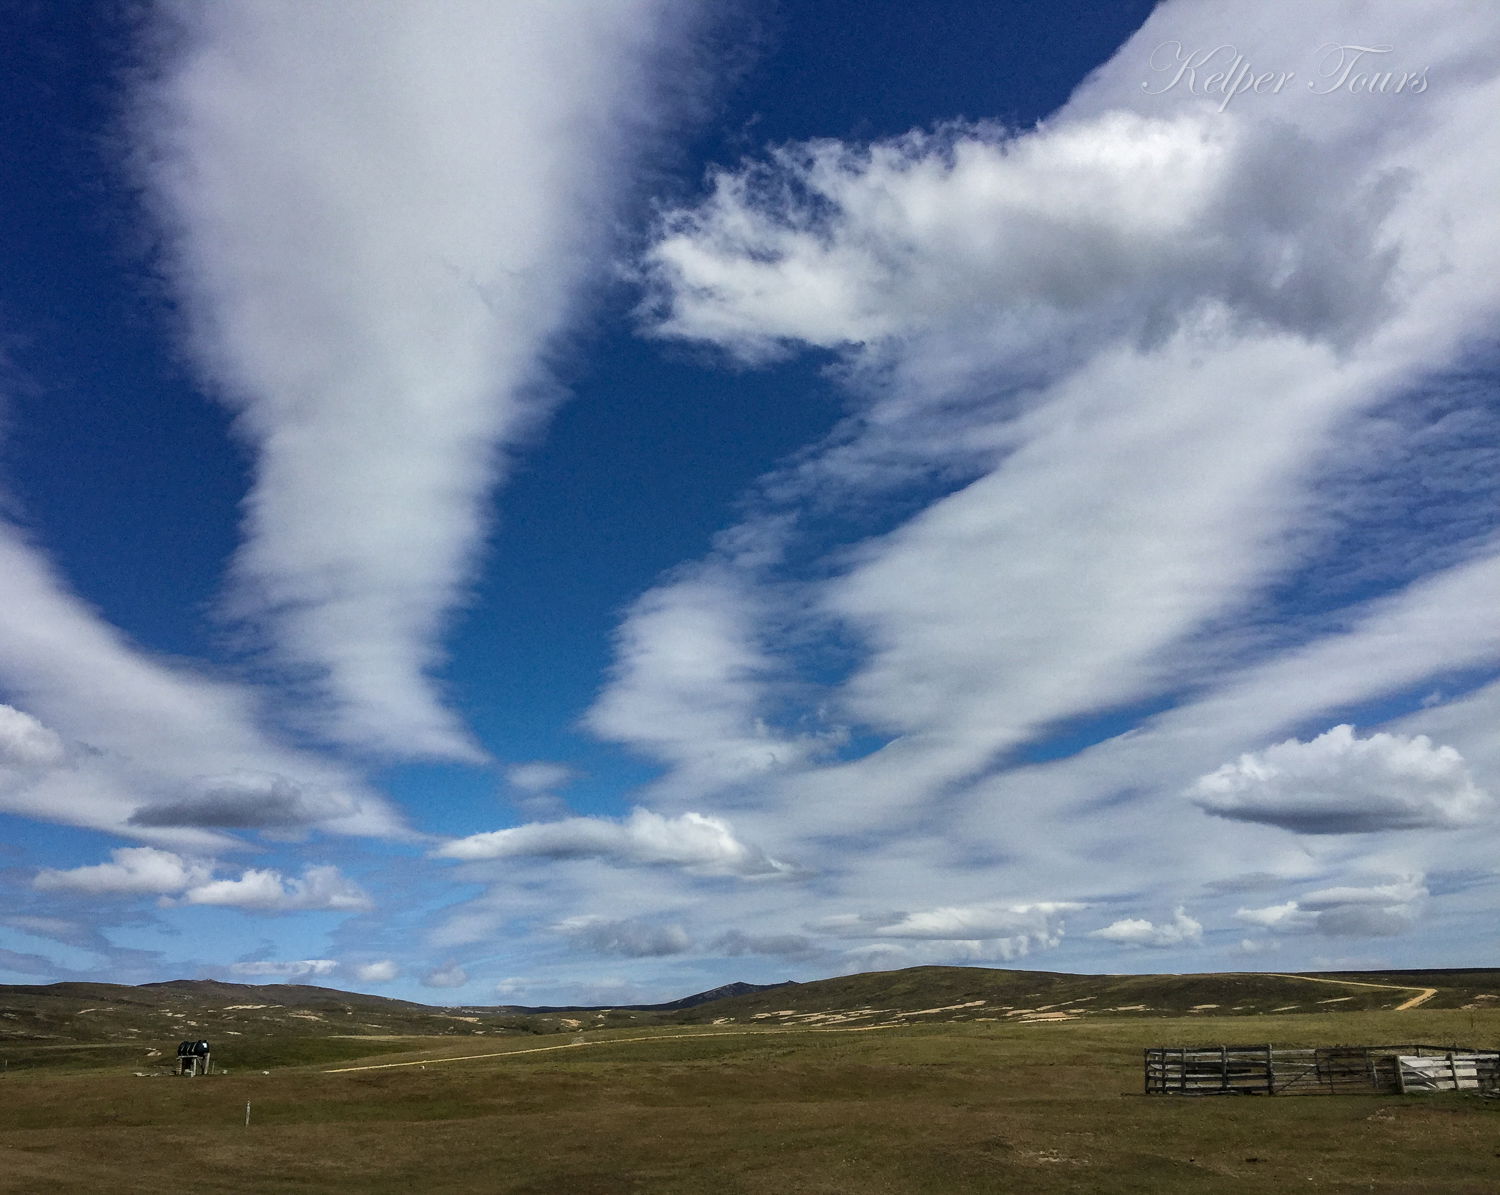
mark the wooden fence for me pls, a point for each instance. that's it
(1330, 1070)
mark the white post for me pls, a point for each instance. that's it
(247, 1114)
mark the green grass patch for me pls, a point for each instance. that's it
(1038, 1108)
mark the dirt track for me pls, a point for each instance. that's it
(1423, 994)
(606, 1041)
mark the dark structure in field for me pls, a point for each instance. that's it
(1329, 1070)
(193, 1058)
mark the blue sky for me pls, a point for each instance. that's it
(585, 502)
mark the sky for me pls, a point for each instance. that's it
(585, 502)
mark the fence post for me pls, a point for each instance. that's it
(1270, 1070)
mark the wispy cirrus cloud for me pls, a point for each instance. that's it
(1056, 582)
(632, 938)
(693, 687)
(288, 969)
(1110, 363)
(107, 730)
(380, 215)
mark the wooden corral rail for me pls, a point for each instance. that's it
(1331, 1070)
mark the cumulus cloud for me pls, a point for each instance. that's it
(631, 938)
(450, 975)
(268, 891)
(291, 969)
(1182, 930)
(378, 214)
(644, 839)
(382, 971)
(1380, 910)
(246, 800)
(1339, 783)
(133, 871)
(1125, 221)
(144, 870)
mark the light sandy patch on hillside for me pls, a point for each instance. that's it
(927, 1012)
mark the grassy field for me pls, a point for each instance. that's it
(951, 1107)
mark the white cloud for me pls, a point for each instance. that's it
(690, 686)
(1110, 363)
(887, 955)
(644, 839)
(378, 216)
(539, 776)
(1182, 930)
(450, 975)
(382, 971)
(1127, 341)
(1380, 910)
(1043, 920)
(268, 891)
(26, 744)
(1339, 783)
(1121, 222)
(632, 938)
(975, 933)
(134, 870)
(145, 726)
(293, 969)
(246, 800)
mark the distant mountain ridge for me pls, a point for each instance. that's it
(165, 1012)
(723, 992)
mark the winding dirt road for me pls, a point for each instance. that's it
(1423, 994)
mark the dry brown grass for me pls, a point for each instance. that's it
(996, 1107)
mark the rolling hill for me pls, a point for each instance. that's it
(919, 995)
(157, 1015)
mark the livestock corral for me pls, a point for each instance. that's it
(1324, 1070)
